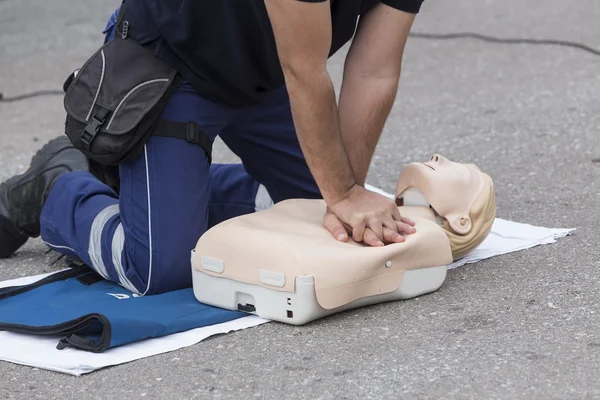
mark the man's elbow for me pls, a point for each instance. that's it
(375, 79)
(373, 71)
(304, 72)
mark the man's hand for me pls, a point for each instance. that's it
(368, 213)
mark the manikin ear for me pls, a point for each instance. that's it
(460, 224)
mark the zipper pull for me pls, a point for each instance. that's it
(125, 30)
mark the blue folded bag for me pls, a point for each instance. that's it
(94, 315)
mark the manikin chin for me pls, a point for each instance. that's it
(282, 264)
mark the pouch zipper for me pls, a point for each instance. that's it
(125, 30)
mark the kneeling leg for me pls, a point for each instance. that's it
(143, 238)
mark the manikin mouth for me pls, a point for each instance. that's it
(428, 166)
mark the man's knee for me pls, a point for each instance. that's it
(169, 269)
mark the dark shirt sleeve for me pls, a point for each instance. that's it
(409, 6)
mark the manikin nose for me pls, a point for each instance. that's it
(436, 158)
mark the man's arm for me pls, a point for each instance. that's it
(370, 83)
(303, 35)
(369, 87)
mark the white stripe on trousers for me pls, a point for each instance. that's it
(117, 245)
(95, 243)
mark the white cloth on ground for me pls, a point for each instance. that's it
(505, 237)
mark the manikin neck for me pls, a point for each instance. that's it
(413, 197)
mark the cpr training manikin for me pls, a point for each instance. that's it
(283, 265)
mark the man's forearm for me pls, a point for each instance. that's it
(316, 117)
(365, 104)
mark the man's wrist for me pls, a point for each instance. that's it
(334, 197)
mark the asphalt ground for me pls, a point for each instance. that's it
(524, 325)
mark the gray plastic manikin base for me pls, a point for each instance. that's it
(302, 306)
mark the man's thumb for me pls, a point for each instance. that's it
(335, 227)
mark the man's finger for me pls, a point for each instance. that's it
(348, 227)
(375, 224)
(407, 220)
(335, 227)
(358, 231)
(391, 236)
(405, 228)
(370, 238)
(390, 223)
(396, 213)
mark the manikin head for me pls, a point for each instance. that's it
(460, 194)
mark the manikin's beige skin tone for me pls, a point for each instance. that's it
(451, 188)
(289, 239)
(460, 194)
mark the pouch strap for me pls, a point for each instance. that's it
(188, 131)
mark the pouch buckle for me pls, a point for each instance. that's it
(91, 130)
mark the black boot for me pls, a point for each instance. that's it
(23, 196)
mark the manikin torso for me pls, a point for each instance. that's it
(274, 246)
(271, 248)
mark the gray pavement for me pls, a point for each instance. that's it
(528, 115)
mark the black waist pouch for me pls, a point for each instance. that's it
(114, 103)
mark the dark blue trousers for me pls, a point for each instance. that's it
(170, 195)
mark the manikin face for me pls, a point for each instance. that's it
(449, 187)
